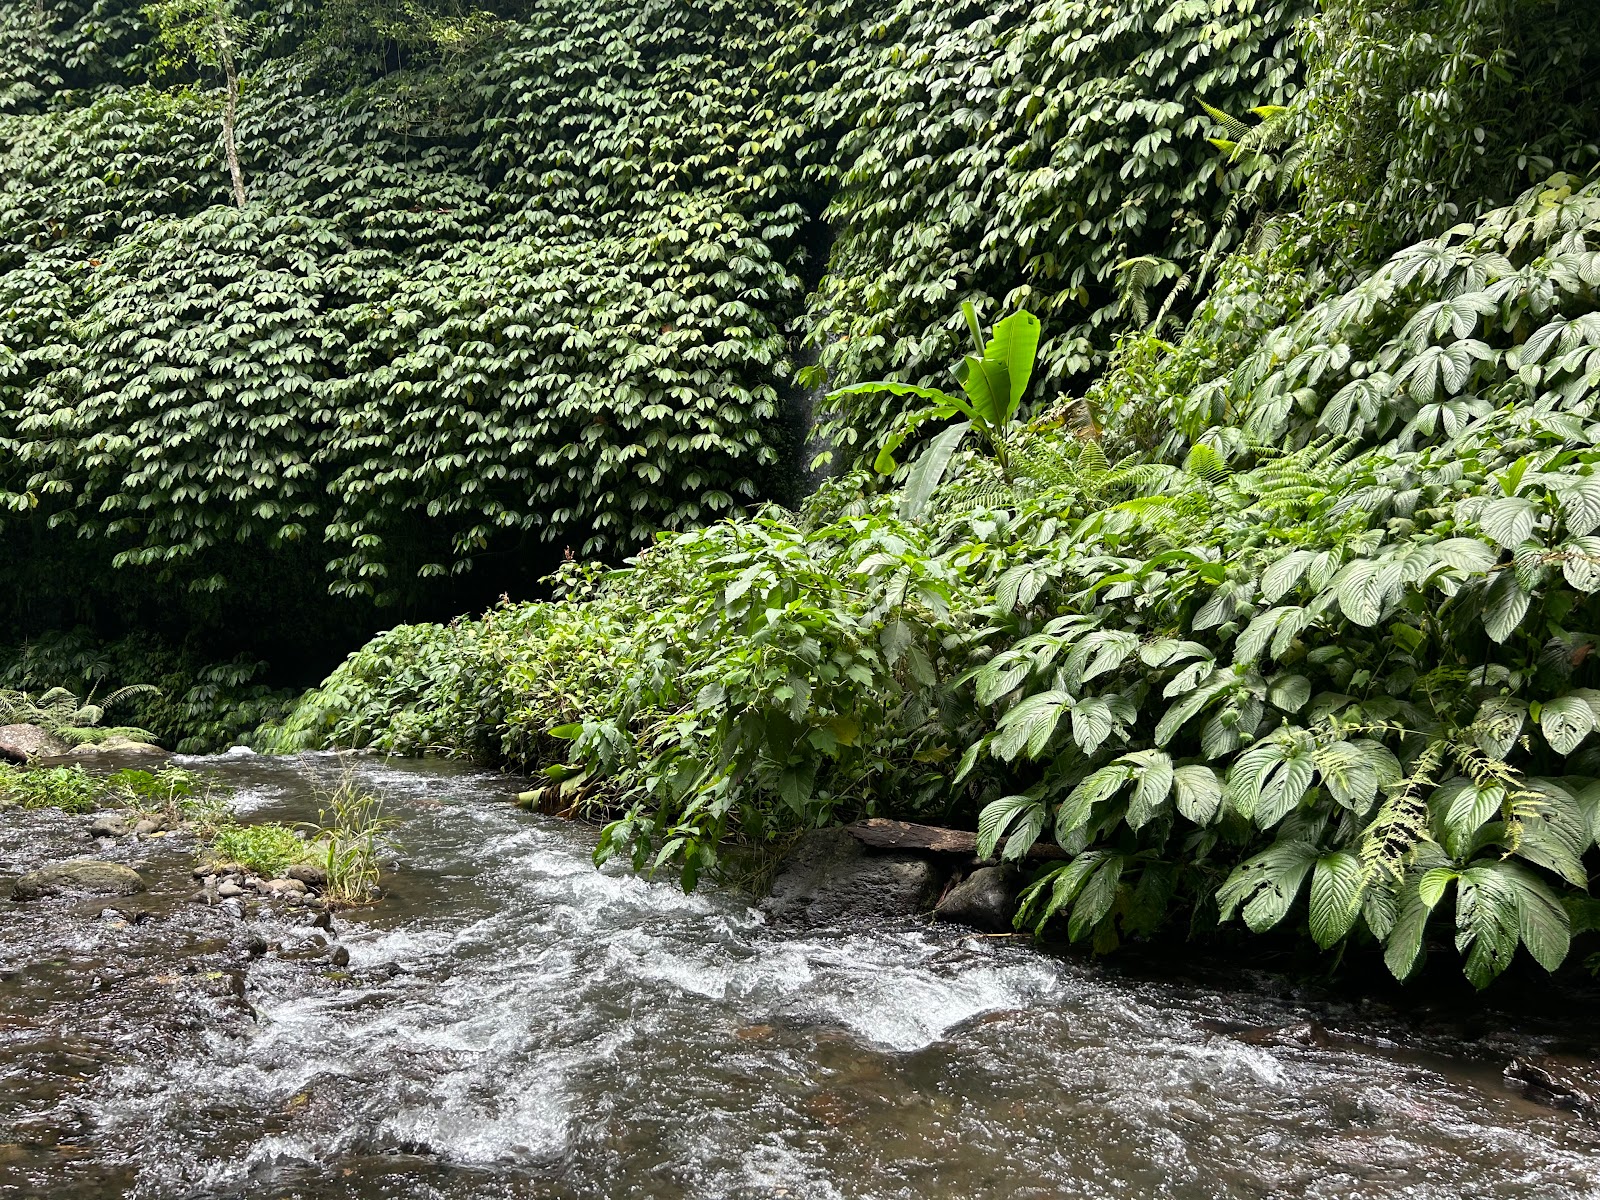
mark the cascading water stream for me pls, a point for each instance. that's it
(514, 1023)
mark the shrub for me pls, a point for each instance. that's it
(267, 848)
(71, 789)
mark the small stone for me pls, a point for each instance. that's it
(323, 920)
(108, 825)
(228, 889)
(249, 946)
(82, 875)
(146, 827)
(340, 957)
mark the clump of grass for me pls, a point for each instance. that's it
(346, 841)
(71, 789)
(269, 849)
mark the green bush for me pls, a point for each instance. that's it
(1018, 155)
(71, 789)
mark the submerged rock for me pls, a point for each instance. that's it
(1559, 1080)
(985, 899)
(19, 743)
(82, 875)
(829, 878)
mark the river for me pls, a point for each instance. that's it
(514, 1023)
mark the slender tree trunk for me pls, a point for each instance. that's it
(230, 110)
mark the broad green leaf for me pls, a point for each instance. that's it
(1267, 884)
(1289, 692)
(1096, 898)
(1487, 922)
(1566, 721)
(1098, 786)
(1580, 503)
(1198, 792)
(1509, 520)
(1403, 948)
(1335, 897)
(1153, 780)
(929, 469)
(1029, 725)
(998, 816)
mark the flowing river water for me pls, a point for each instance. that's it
(514, 1023)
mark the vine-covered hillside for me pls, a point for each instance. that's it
(1282, 622)
(498, 280)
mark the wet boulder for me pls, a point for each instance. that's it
(1558, 1080)
(830, 878)
(85, 875)
(20, 743)
(985, 899)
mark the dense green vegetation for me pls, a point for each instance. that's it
(510, 278)
(171, 793)
(1264, 594)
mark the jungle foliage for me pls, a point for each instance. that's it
(393, 302)
(1283, 622)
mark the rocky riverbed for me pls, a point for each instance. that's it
(509, 1022)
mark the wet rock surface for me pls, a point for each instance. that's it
(829, 878)
(88, 876)
(1559, 1080)
(21, 743)
(986, 899)
(109, 825)
(118, 746)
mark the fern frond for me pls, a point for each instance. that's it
(1389, 842)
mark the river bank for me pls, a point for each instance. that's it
(512, 1022)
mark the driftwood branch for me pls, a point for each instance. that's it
(882, 834)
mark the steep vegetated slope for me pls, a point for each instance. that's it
(515, 277)
(1285, 620)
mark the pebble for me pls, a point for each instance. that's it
(229, 889)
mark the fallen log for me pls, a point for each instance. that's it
(882, 834)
